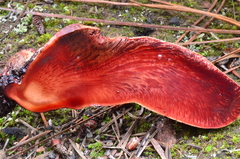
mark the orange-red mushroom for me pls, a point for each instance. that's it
(79, 67)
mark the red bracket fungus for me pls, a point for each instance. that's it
(79, 67)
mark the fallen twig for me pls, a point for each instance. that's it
(187, 9)
(207, 23)
(28, 125)
(225, 56)
(47, 139)
(29, 140)
(158, 148)
(77, 150)
(44, 119)
(102, 129)
(198, 21)
(211, 41)
(231, 69)
(160, 27)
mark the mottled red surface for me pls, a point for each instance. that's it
(79, 67)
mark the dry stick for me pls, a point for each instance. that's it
(158, 148)
(5, 144)
(126, 137)
(116, 135)
(102, 129)
(199, 20)
(195, 23)
(226, 56)
(80, 153)
(170, 7)
(117, 127)
(211, 41)
(17, 21)
(105, 2)
(44, 120)
(160, 27)
(30, 139)
(35, 149)
(164, 2)
(207, 23)
(167, 152)
(236, 73)
(187, 9)
(231, 69)
(213, 36)
(21, 141)
(138, 153)
(28, 125)
(61, 132)
(83, 143)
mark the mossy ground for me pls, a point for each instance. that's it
(219, 143)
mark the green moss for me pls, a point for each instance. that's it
(31, 5)
(3, 13)
(107, 119)
(52, 22)
(143, 126)
(102, 136)
(236, 153)
(96, 150)
(208, 148)
(236, 139)
(13, 35)
(84, 117)
(218, 137)
(69, 21)
(88, 23)
(96, 154)
(137, 106)
(44, 38)
(236, 45)
(95, 146)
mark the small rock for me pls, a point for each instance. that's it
(52, 155)
(89, 134)
(50, 128)
(174, 21)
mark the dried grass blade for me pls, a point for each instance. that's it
(77, 150)
(158, 148)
